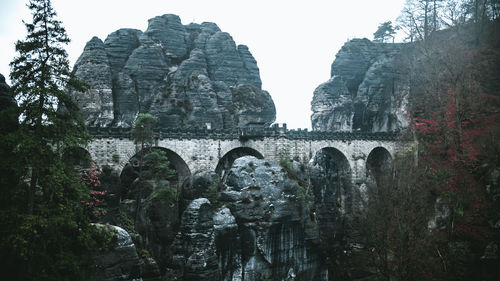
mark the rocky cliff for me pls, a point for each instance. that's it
(186, 75)
(365, 92)
(261, 221)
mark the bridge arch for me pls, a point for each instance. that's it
(226, 161)
(331, 179)
(176, 162)
(78, 156)
(379, 165)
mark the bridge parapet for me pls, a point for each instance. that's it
(244, 134)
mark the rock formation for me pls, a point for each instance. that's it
(365, 92)
(258, 223)
(261, 220)
(186, 75)
(119, 261)
(261, 231)
(195, 244)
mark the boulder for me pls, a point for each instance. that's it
(119, 262)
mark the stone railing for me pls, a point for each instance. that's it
(244, 134)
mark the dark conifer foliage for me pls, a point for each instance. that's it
(45, 234)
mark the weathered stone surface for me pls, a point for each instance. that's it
(250, 64)
(126, 101)
(365, 92)
(332, 190)
(199, 34)
(352, 62)
(200, 184)
(96, 104)
(147, 66)
(332, 106)
(263, 231)
(119, 263)
(252, 105)
(196, 243)
(259, 234)
(157, 221)
(189, 98)
(271, 221)
(228, 245)
(150, 270)
(224, 62)
(185, 75)
(168, 31)
(119, 46)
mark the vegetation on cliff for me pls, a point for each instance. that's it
(437, 216)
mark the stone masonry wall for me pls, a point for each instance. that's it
(205, 153)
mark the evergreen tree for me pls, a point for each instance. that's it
(158, 166)
(384, 31)
(40, 74)
(45, 233)
(142, 133)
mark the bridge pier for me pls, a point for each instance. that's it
(112, 152)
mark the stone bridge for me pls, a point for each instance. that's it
(191, 150)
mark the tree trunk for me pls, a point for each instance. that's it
(35, 169)
(32, 188)
(434, 19)
(138, 198)
(459, 124)
(426, 19)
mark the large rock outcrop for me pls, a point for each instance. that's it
(365, 92)
(186, 75)
(119, 261)
(262, 221)
(261, 231)
(194, 248)
(273, 221)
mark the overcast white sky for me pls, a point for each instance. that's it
(294, 42)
